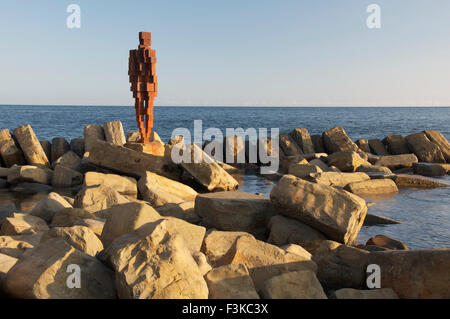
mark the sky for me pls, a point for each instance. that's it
(229, 53)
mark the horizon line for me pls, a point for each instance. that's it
(305, 106)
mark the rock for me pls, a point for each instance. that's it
(373, 169)
(303, 170)
(184, 211)
(346, 161)
(396, 144)
(217, 243)
(69, 160)
(80, 237)
(22, 224)
(207, 172)
(338, 179)
(155, 264)
(3, 183)
(96, 198)
(337, 214)
(372, 187)
(59, 147)
(318, 143)
(430, 169)
(363, 145)
(294, 285)
(114, 133)
(32, 149)
(396, 161)
(15, 246)
(125, 218)
(42, 273)
(156, 149)
(295, 249)
(66, 177)
(92, 134)
(124, 185)
(336, 140)
(6, 263)
(7, 211)
(440, 140)
(202, 262)
(377, 147)
(77, 146)
(289, 146)
(67, 217)
(234, 211)
(373, 220)
(349, 293)
(285, 230)
(159, 190)
(93, 224)
(415, 274)
(30, 174)
(425, 150)
(230, 282)
(341, 266)
(47, 147)
(10, 153)
(417, 181)
(265, 261)
(31, 188)
(319, 163)
(303, 139)
(386, 242)
(134, 137)
(48, 206)
(127, 161)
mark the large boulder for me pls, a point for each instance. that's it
(59, 147)
(337, 214)
(47, 147)
(264, 260)
(66, 177)
(338, 179)
(234, 211)
(23, 224)
(350, 293)
(372, 187)
(425, 150)
(130, 162)
(294, 285)
(430, 169)
(30, 174)
(42, 273)
(49, 205)
(125, 218)
(318, 143)
(159, 190)
(303, 170)
(285, 230)
(303, 139)
(337, 140)
(217, 243)
(396, 144)
(417, 181)
(96, 225)
(377, 147)
(230, 282)
(70, 160)
(386, 242)
(396, 161)
(30, 145)
(67, 217)
(114, 133)
(363, 145)
(9, 152)
(122, 184)
(15, 246)
(346, 161)
(289, 146)
(92, 134)
(155, 264)
(77, 146)
(374, 169)
(440, 140)
(96, 198)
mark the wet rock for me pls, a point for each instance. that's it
(10, 153)
(48, 206)
(440, 140)
(114, 133)
(349, 293)
(230, 282)
(294, 285)
(338, 179)
(96, 198)
(32, 149)
(337, 214)
(42, 273)
(285, 230)
(377, 147)
(386, 242)
(289, 146)
(430, 169)
(184, 211)
(303, 139)
(425, 150)
(396, 144)
(92, 134)
(417, 181)
(373, 220)
(69, 160)
(122, 184)
(67, 217)
(318, 143)
(372, 187)
(30, 174)
(159, 190)
(59, 147)
(22, 224)
(346, 161)
(396, 161)
(66, 177)
(234, 211)
(15, 246)
(77, 146)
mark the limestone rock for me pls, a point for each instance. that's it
(373, 220)
(372, 187)
(338, 179)
(374, 169)
(184, 211)
(59, 147)
(396, 144)
(159, 190)
(396, 161)
(349, 293)
(202, 262)
(15, 246)
(32, 149)
(41, 273)
(417, 181)
(234, 211)
(303, 139)
(319, 163)
(7, 211)
(386, 242)
(303, 170)
(67, 217)
(96, 225)
(97, 198)
(69, 160)
(430, 169)
(425, 150)
(114, 133)
(22, 224)
(377, 147)
(318, 143)
(289, 146)
(294, 285)
(30, 174)
(346, 161)
(336, 140)
(77, 146)
(92, 134)
(122, 184)
(440, 140)
(230, 282)
(337, 214)
(6, 263)
(9, 152)
(66, 177)
(363, 145)
(48, 206)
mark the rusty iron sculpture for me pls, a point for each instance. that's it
(142, 72)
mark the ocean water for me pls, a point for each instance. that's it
(425, 214)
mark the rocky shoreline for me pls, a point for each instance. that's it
(138, 225)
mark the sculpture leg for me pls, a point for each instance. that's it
(140, 117)
(149, 114)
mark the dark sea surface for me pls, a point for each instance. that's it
(425, 214)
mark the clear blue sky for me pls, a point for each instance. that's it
(247, 52)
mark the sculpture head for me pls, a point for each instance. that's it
(145, 38)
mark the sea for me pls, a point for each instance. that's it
(424, 214)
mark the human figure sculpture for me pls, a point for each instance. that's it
(142, 72)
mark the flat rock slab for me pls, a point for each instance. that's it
(338, 179)
(417, 181)
(372, 187)
(395, 161)
(373, 220)
(431, 169)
